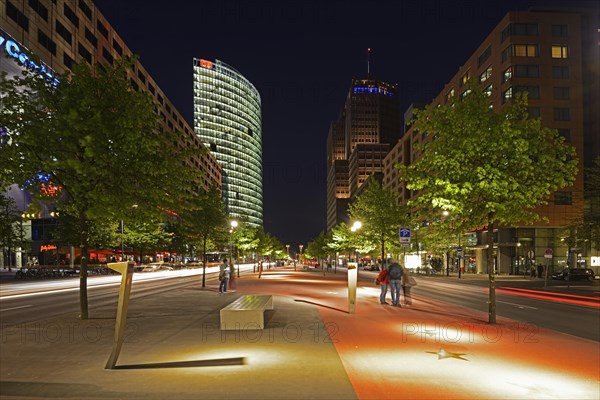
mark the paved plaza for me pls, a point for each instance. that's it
(311, 348)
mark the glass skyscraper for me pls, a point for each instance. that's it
(227, 118)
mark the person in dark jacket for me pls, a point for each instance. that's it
(383, 280)
(395, 274)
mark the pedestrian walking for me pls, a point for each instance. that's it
(407, 283)
(223, 276)
(382, 280)
(395, 274)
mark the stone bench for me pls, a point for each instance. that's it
(247, 312)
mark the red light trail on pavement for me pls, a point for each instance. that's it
(587, 301)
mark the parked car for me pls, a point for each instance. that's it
(574, 274)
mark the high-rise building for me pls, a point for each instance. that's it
(553, 55)
(59, 33)
(358, 142)
(227, 117)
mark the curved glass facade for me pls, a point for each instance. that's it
(228, 119)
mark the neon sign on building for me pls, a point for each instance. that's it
(13, 49)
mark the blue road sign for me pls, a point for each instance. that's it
(404, 235)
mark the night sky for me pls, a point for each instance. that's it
(301, 56)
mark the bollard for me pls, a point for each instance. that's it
(352, 278)
(126, 271)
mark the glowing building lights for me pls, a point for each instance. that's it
(228, 119)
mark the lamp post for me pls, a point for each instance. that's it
(233, 225)
(287, 246)
(301, 246)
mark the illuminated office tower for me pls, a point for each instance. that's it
(227, 118)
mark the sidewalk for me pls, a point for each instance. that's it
(311, 348)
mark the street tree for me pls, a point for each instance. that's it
(380, 214)
(11, 227)
(100, 143)
(489, 168)
(206, 222)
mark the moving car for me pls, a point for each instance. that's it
(574, 274)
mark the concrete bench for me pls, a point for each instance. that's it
(247, 312)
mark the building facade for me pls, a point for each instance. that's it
(228, 118)
(358, 141)
(60, 33)
(554, 56)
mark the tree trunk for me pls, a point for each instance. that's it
(83, 299)
(382, 252)
(491, 274)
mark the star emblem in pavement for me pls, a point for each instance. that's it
(446, 354)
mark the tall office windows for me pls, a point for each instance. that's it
(560, 30)
(563, 198)
(45, 41)
(565, 133)
(562, 114)
(559, 51)
(64, 32)
(39, 8)
(485, 75)
(560, 72)
(85, 53)
(102, 29)
(484, 56)
(520, 50)
(519, 29)
(561, 92)
(71, 16)
(17, 16)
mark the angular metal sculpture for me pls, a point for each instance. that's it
(126, 271)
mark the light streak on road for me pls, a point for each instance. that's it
(26, 289)
(570, 299)
(15, 308)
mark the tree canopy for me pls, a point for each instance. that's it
(489, 168)
(99, 145)
(380, 214)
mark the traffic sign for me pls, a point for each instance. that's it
(404, 235)
(459, 251)
(548, 253)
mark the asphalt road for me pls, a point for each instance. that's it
(571, 309)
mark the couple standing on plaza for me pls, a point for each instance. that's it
(226, 276)
(394, 276)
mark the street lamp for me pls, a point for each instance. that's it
(233, 225)
(287, 246)
(355, 227)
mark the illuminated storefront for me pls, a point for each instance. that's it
(227, 118)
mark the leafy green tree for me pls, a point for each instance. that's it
(144, 236)
(11, 228)
(206, 221)
(380, 214)
(98, 140)
(491, 168)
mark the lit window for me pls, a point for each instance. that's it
(507, 75)
(559, 51)
(485, 75)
